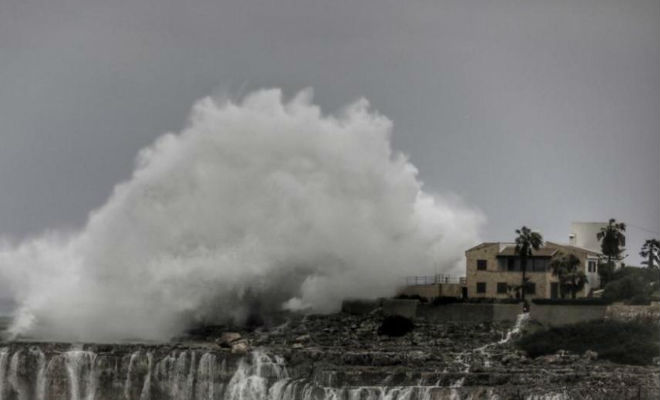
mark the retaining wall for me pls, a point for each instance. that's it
(556, 315)
(623, 312)
(402, 307)
(466, 312)
(546, 314)
(359, 306)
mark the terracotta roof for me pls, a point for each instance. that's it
(568, 246)
(510, 251)
(481, 245)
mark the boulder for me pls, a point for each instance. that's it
(228, 338)
(240, 346)
(590, 355)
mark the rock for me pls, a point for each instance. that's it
(590, 355)
(303, 338)
(240, 346)
(560, 357)
(227, 338)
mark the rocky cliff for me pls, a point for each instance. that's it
(318, 357)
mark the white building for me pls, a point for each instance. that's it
(583, 234)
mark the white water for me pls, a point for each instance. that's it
(80, 366)
(256, 205)
(4, 354)
(464, 358)
(179, 375)
(79, 374)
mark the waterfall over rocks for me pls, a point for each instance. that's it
(131, 372)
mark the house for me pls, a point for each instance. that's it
(493, 270)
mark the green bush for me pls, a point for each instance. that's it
(629, 286)
(574, 302)
(438, 301)
(417, 297)
(395, 325)
(620, 342)
(640, 299)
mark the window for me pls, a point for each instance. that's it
(481, 287)
(536, 265)
(511, 264)
(530, 288)
(592, 266)
(502, 287)
(482, 265)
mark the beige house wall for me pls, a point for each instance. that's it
(584, 255)
(493, 275)
(433, 290)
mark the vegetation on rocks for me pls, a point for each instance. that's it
(621, 342)
(395, 325)
(632, 285)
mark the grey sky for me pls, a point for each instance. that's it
(537, 112)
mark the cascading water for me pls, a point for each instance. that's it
(132, 372)
(463, 358)
(204, 371)
(28, 373)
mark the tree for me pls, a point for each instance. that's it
(526, 242)
(612, 240)
(612, 243)
(651, 251)
(571, 279)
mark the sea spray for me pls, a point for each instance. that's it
(256, 205)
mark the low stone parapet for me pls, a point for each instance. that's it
(557, 315)
(623, 312)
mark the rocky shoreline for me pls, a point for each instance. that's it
(338, 356)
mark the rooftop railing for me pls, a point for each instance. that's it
(433, 280)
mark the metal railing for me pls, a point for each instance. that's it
(433, 280)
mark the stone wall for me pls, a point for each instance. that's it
(466, 312)
(433, 290)
(623, 312)
(556, 315)
(404, 308)
(546, 314)
(427, 291)
(360, 306)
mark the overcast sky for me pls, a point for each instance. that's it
(536, 112)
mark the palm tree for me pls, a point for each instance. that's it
(651, 251)
(525, 243)
(612, 240)
(571, 279)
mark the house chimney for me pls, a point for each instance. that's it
(571, 239)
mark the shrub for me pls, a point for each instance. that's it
(395, 325)
(625, 288)
(573, 302)
(620, 342)
(421, 299)
(640, 299)
(438, 301)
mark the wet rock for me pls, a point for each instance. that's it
(303, 338)
(240, 346)
(227, 338)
